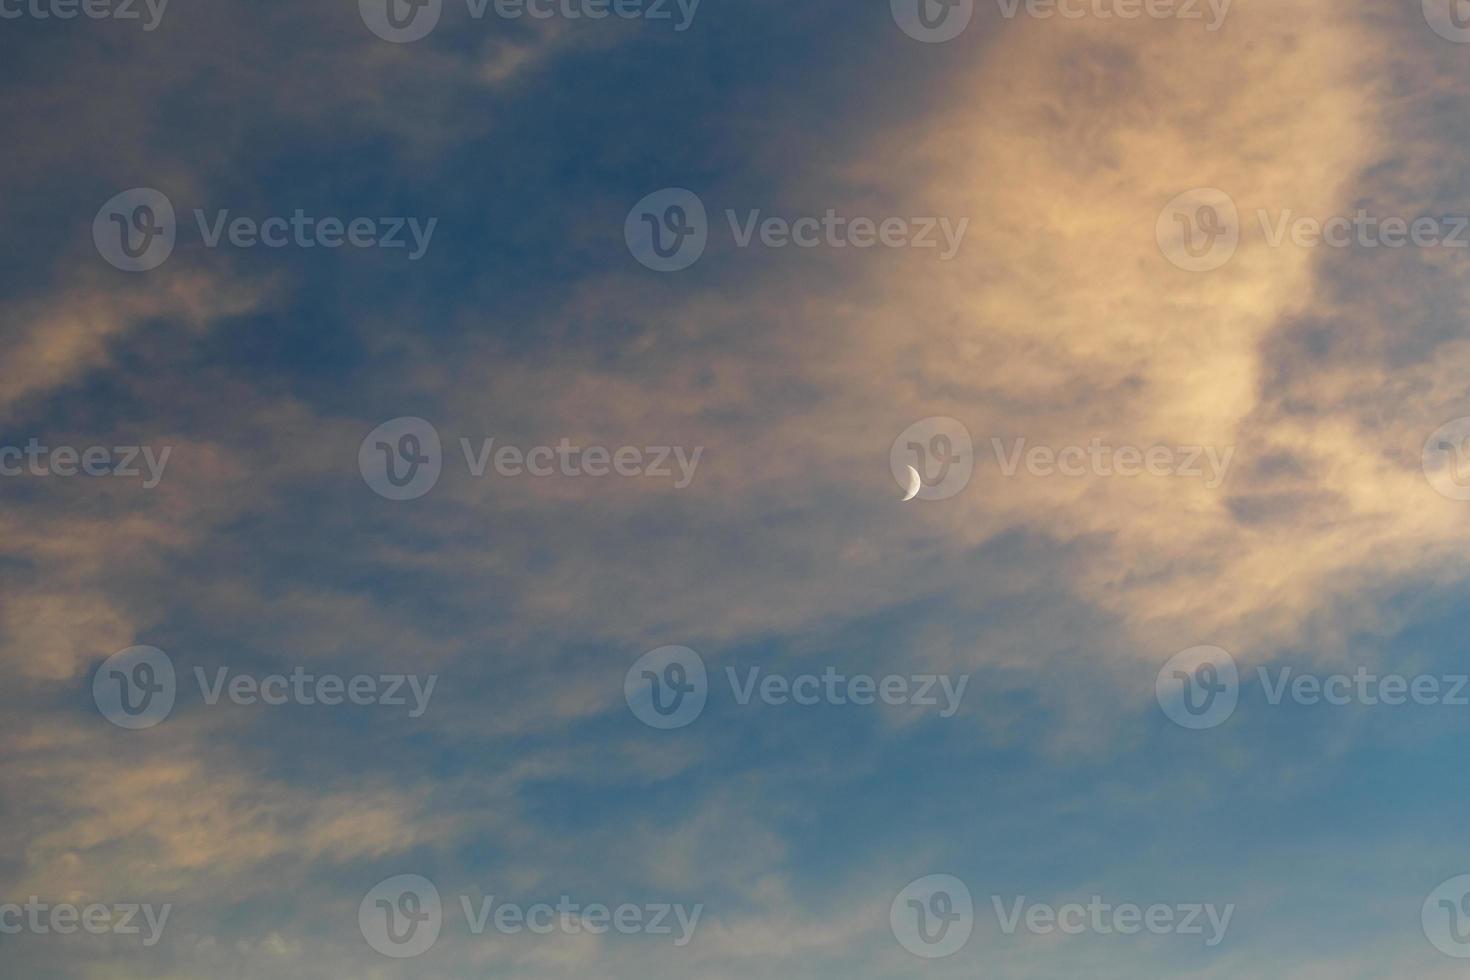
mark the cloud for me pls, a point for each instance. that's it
(1059, 321)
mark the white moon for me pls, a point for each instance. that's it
(915, 484)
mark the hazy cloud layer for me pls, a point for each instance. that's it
(1059, 321)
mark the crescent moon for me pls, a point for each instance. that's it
(915, 483)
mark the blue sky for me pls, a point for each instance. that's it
(1117, 284)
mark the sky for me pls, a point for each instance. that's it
(453, 460)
